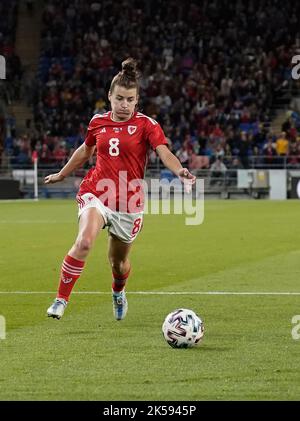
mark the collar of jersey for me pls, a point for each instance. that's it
(122, 122)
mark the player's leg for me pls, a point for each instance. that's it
(118, 256)
(90, 224)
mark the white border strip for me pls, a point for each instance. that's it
(18, 200)
(156, 293)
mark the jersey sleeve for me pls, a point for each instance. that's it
(90, 138)
(155, 135)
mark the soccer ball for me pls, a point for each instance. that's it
(183, 328)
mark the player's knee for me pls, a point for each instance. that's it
(118, 266)
(84, 244)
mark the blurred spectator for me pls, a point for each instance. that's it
(244, 148)
(60, 154)
(269, 152)
(257, 160)
(46, 156)
(217, 172)
(294, 155)
(231, 174)
(282, 148)
(29, 5)
(197, 162)
(282, 145)
(183, 156)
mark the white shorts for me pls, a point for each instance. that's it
(125, 226)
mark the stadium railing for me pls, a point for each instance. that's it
(222, 184)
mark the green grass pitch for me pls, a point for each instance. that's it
(247, 353)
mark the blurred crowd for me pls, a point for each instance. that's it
(10, 89)
(211, 72)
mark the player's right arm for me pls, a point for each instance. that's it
(79, 157)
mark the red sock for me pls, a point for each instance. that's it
(70, 271)
(119, 281)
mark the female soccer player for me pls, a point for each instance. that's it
(122, 138)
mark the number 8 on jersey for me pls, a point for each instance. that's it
(113, 149)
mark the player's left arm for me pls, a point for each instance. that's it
(171, 162)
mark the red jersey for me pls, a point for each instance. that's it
(122, 154)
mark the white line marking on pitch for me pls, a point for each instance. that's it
(157, 293)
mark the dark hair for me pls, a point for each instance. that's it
(128, 77)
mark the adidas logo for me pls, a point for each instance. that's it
(103, 130)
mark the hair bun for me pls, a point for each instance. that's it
(129, 68)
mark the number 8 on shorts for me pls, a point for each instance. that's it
(136, 226)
